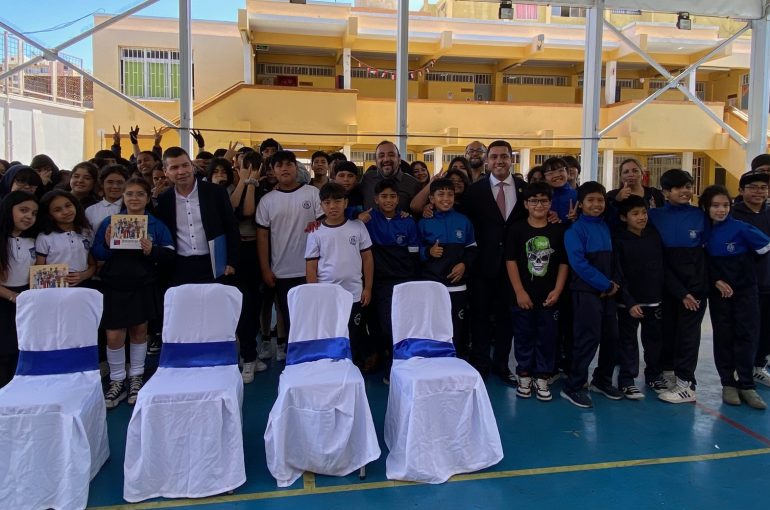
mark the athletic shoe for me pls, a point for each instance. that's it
(249, 368)
(761, 376)
(524, 387)
(730, 396)
(265, 349)
(658, 385)
(542, 391)
(554, 377)
(135, 383)
(280, 352)
(632, 392)
(116, 392)
(153, 345)
(752, 398)
(608, 390)
(579, 398)
(670, 377)
(683, 392)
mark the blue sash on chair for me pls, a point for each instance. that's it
(195, 355)
(423, 348)
(312, 350)
(60, 361)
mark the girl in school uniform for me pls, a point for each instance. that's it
(131, 294)
(734, 296)
(18, 215)
(66, 237)
(83, 183)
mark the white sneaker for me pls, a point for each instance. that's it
(524, 387)
(280, 352)
(265, 349)
(762, 376)
(249, 368)
(542, 391)
(683, 392)
(670, 377)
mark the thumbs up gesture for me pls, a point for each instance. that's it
(436, 251)
(624, 193)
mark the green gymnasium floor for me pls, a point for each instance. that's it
(624, 454)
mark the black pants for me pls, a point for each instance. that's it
(535, 336)
(681, 337)
(735, 321)
(195, 269)
(763, 345)
(596, 326)
(491, 324)
(282, 288)
(628, 348)
(459, 301)
(381, 325)
(248, 279)
(357, 332)
(563, 351)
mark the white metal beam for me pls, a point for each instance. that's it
(759, 89)
(185, 76)
(592, 68)
(402, 75)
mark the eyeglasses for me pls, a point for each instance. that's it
(757, 187)
(538, 201)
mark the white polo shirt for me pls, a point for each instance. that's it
(286, 214)
(96, 213)
(21, 251)
(68, 248)
(190, 235)
(338, 251)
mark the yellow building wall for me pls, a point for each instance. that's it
(539, 94)
(368, 87)
(450, 91)
(727, 84)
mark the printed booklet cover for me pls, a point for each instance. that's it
(127, 231)
(49, 276)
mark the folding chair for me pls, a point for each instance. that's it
(53, 428)
(321, 420)
(439, 421)
(185, 436)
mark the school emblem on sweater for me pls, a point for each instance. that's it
(400, 239)
(306, 204)
(693, 234)
(730, 247)
(538, 255)
(459, 234)
(353, 240)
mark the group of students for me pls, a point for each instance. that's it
(563, 270)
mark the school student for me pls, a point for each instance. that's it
(448, 250)
(282, 218)
(112, 179)
(733, 296)
(537, 269)
(753, 209)
(681, 227)
(18, 218)
(131, 293)
(83, 183)
(66, 236)
(556, 174)
(346, 175)
(639, 254)
(339, 251)
(594, 285)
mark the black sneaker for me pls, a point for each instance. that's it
(116, 392)
(658, 385)
(632, 392)
(579, 398)
(135, 383)
(153, 345)
(608, 390)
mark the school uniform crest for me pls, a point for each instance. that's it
(86, 244)
(693, 234)
(32, 253)
(306, 204)
(730, 247)
(400, 239)
(459, 234)
(353, 240)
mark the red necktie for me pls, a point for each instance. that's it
(501, 198)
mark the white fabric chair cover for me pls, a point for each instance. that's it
(439, 420)
(321, 420)
(53, 428)
(185, 436)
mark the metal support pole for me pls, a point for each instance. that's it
(346, 78)
(402, 74)
(610, 81)
(592, 69)
(759, 89)
(185, 76)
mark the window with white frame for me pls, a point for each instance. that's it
(568, 12)
(530, 79)
(149, 73)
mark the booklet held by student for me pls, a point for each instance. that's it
(48, 276)
(127, 231)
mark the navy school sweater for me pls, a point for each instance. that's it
(395, 247)
(761, 220)
(589, 249)
(730, 245)
(454, 233)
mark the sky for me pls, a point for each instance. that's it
(42, 15)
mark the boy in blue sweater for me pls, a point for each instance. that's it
(593, 285)
(448, 248)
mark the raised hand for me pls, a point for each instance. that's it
(365, 216)
(572, 212)
(196, 134)
(158, 137)
(436, 251)
(133, 134)
(624, 193)
(115, 135)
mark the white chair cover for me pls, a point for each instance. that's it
(321, 420)
(53, 428)
(439, 420)
(185, 436)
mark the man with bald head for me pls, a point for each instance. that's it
(388, 162)
(476, 154)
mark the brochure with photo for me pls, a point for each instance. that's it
(48, 276)
(127, 231)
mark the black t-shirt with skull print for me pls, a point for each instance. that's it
(538, 252)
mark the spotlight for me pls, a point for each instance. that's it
(683, 21)
(506, 9)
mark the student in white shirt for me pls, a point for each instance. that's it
(18, 215)
(112, 179)
(340, 251)
(282, 219)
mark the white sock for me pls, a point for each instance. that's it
(138, 353)
(116, 358)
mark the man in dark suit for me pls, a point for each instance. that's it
(492, 204)
(201, 221)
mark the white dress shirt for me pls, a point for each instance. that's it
(96, 213)
(509, 191)
(190, 236)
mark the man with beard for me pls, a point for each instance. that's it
(476, 154)
(388, 166)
